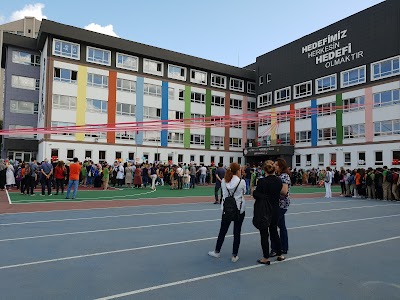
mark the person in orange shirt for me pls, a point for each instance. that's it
(357, 178)
(74, 171)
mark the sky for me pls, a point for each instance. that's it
(233, 32)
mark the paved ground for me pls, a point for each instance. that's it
(339, 248)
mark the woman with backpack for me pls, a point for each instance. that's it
(266, 211)
(233, 189)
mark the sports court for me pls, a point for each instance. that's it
(154, 247)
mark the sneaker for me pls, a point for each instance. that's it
(50, 195)
(235, 258)
(33, 194)
(42, 195)
(214, 254)
(216, 202)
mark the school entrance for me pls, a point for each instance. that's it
(255, 155)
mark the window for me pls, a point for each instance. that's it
(251, 106)
(191, 158)
(54, 152)
(354, 131)
(199, 118)
(181, 95)
(70, 154)
(21, 136)
(326, 109)
(198, 97)
(152, 89)
(283, 138)
(347, 159)
(354, 104)
(66, 49)
(65, 75)
(25, 83)
(62, 124)
(25, 58)
(303, 113)
(283, 116)
(385, 68)
(265, 100)
(97, 80)
(387, 98)
(308, 159)
(88, 154)
(217, 141)
(264, 120)
(118, 154)
(236, 85)
(179, 115)
(218, 100)
(231, 159)
(302, 89)
(127, 62)
(153, 67)
(64, 102)
(151, 136)
(98, 56)
(102, 156)
(177, 72)
(239, 160)
(131, 155)
(352, 77)
(96, 106)
(218, 81)
(126, 135)
(303, 136)
(282, 95)
(96, 135)
(126, 85)
(361, 158)
(221, 159)
(180, 158)
(251, 87)
(321, 159)
(201, 159)
(22, 107)
(269, 77)
(197, 139)
(389, 127)
(199, 77)
(235, 142)
(261, 80)
(125, 109)
(156, 156)
(327, 134)
(171, 93)
(174, 137)
(212, 159)
(236, 103)
(333, 159)
(396, 157)
(325, 84)
(379, 158)
(151, 112)
(298, 160)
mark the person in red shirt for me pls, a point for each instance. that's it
(74, 171)
(59, 173)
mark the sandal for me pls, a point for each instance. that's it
(280, 258)
(263, 262)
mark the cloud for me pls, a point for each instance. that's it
(29, 10)
(108, 29)
(2, 19)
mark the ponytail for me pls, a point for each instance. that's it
(232, 170)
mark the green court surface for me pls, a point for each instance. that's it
(135, 194)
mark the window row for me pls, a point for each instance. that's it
(23, 107)
(382, 69)
(129, 62)
(389, 127)
(26, 83)
(25, 58)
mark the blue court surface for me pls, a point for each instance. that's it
(339, 248)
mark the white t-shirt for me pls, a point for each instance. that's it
(203, 170)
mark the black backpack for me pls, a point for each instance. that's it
(262, 214)
(231, 212)
(389, 177)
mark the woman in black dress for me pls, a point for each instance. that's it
(268, 189)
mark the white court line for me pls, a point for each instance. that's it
(161, 286)
(8, 197)
(167, 204)
(178, 243)
(144, 214)
(166, 224)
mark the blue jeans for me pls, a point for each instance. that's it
(282, 232)
(248, 192)
(75, 183)
(89, 180)
(202, 179)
